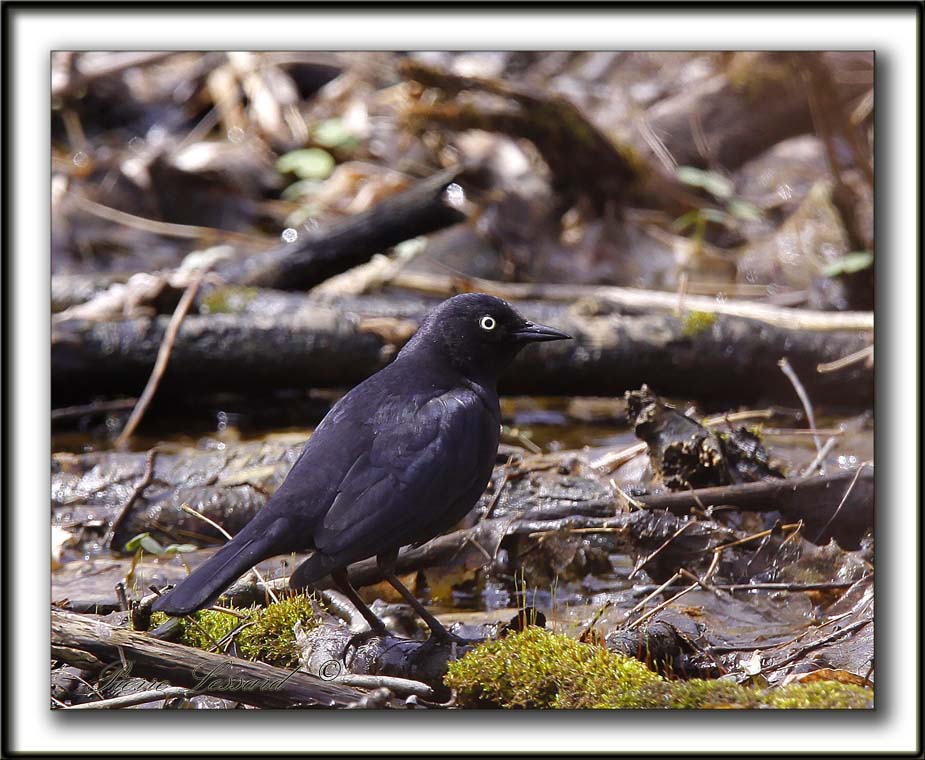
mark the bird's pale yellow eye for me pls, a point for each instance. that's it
(487, 323)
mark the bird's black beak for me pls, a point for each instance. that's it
(534, 333)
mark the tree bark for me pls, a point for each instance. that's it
(85, 642)
(277, 342)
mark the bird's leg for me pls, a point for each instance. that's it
(386, 563)
(343, 585)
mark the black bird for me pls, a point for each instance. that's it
(399, 459)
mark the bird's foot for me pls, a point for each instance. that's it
(444, 638)
(358, 640)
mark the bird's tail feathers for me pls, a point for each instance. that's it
(206, 583)
(313, 569)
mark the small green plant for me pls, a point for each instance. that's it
(733, 210)
(145, 542)
(306, 163)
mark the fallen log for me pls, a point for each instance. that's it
(280, 342)
(424, 208)
(839, 506)
(93, 644)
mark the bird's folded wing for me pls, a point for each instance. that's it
(422, 461)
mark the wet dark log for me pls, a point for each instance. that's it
(295, 342)
(423, 209)
(92, 644)
(825, 504)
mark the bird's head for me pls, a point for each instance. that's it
(479, 334)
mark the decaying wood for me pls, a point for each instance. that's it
(277, 341)
(423, 209)
(818, 501)
(83, 642)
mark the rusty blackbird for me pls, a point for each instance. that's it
(399, 459)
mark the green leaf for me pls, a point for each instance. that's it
(718, 185)
(690, 175)
(299, 189)
(306, 163)
(715, 215)
(150, 544)
(333, 133)
(683, 222)
(135, 541)
(744, 210)
(179, 548)
(715, 184)
(849, 264)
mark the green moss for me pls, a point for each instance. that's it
(538, 668)
(697, 322)
(698, 694)
(228, 300)
(819, 695)
(202, 629)
(270, 638)
(541, 669)
(267, 636)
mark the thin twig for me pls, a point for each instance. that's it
(400, 686)
(97, 407)
(166, 229)
(828, 432)
(865, 354)
(635, 298)
(804, 399)
(820, 457)
(754, 536)
(664, 545)
(160, 364)
(817, 645)
(659, 607)
(851, 485)
(505, 474)
(193, 513)
(146, 479)
(706, 586)
(790, 587)
(138, 698)
(654, 593)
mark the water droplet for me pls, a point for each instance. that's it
(81, 159)
(290, 235)
(454, 195)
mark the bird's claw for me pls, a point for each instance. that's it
(446, 638)
(359, 639)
